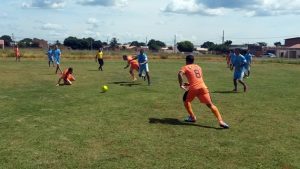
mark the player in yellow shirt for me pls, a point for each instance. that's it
(99, 57)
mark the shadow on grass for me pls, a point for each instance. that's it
(129, 84)
(172, 121)
(225, 92)
(94, 70)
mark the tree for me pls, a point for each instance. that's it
(7, 40)
(25, 43)
(155, 45)
(185, 46)
(277, 44)
(228, 42)
(113, 43)
(97, 44)
(262, 43)
(207, 44)
(137, 44)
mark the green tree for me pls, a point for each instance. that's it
(7, 40)
(207, 44)
(155, 45)
(262, 43)
(277, 44)
(185, 46)
(25, 43)
(228, 42)
(113, 43)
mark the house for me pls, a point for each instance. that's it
(291, 41)
(2, 43)
(289, 52)
(40, 42)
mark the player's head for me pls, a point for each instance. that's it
(70, 70)
(237, 51)
(100, 49)
(142, 51)
(124, 57)
(189, 59)
(56, 46)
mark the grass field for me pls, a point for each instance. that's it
(140, 126)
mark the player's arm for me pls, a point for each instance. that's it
(126, 66)
(180, 80)
(96, 58)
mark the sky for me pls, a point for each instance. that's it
(243, 21)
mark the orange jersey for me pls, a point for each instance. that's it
(66, 74)
(17, 52)
(133, 63)
(194, 76)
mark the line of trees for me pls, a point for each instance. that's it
(154, 45)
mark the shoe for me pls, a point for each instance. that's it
(190, 119)
(224, 125)
(135, 79)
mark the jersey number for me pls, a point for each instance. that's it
(197, 73)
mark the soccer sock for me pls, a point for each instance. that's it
(188, 107)
(216, 112)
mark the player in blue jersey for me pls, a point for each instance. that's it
(231, 57)
(143, 64)
(239, 65)
(50, 56)
(57, 55)
(248, 58)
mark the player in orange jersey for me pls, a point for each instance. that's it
(134, 65)
(67, 77)
(196, 88)
(17, 53)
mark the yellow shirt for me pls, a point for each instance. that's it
(100, 55)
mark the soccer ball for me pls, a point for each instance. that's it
(104, 88)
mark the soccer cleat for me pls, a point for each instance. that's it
(190, 119)
(224, 125)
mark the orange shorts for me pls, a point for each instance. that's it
(202, 94)
(134, 67)
(71, 78)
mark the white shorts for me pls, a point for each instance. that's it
(143, 68)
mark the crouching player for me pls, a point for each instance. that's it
(196, 88)
(134, 65)
(67, 77)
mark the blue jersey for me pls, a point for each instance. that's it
(49, 53)
(248, 58)
(57, 53)
(142, 58)
(239, 63)
(232, 57)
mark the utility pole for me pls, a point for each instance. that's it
(175, 39)
(13, 39)
(223, 37)
(146, 40)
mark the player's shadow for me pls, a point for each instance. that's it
(172, 121)
(129, 84)
(224, 92)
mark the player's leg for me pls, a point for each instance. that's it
(244, 84)
(217, 114)
(101, 64)
(67, 82)
(235, 85)
(187, 99)
(147, 74)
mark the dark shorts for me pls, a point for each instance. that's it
(101, 62)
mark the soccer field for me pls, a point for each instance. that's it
(138, 126)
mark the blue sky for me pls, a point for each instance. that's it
(244, 21)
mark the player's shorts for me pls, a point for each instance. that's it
(57, 60)
(134, 67)
(101, 62)
(238, 75)
(143, 68)
(50, 58)
(202, 94)
(247, 67)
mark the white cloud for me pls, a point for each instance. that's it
(93, 22)
(52, 4)
(222, 7)
(51, 26)
(117, 3)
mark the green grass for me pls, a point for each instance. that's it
(44, 126)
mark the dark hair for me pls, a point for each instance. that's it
(189, 59)
(124, 57)
(70, 69)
